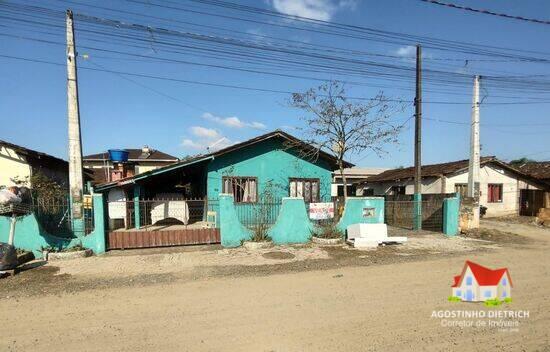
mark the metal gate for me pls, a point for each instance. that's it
(530, 201)
(162, 222)
(126, 239)
(399, 211)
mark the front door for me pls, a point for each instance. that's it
(469, 295)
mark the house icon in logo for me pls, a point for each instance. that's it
(477, 283)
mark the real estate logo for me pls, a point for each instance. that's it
(477, 283)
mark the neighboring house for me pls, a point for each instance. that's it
(17, 162)
(354, 176)
(500, 184)
(139, 161)
(537, 169)
(477, 283)
(532, 200)
(262, 169)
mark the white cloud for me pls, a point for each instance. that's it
(233, 122)
(204, 132)
(406, 52)
(322, 10)
(206, 139)
(409, 52)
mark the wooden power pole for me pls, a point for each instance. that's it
(418, 142)
(76, 183)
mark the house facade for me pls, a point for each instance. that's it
(20, 163)
(354, 177)
(139, 161)
(477, 283)
(500, 184)
(531, 201)
(262, 169)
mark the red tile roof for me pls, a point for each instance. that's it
(484, 276)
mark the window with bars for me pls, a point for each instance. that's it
(243, 189)
(494, 192)
(462, 189)
(308, 188)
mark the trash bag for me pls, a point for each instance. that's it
(7, 197)
(8, 257)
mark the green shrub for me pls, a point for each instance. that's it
(508, 300)
(494, 302)
(327, 230)
(454, 299)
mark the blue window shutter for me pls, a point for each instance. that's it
(469, 280)
(487, 293)
(504, 282)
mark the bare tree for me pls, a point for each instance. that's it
(341, 127)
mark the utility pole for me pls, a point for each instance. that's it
(76, 184)
(473, 165)
(418, 142)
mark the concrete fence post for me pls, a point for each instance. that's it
(232, 232)
(96, 240)
(451, 209)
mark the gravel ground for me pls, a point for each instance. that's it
(293, 299)
(146, 267)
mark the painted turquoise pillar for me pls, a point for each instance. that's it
(292, 225)
(417, 211)
(362, 210)
(29, 235)
(232, 232)
(451, 209)
(137, 215)
(96, 240)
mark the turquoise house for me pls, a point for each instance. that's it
(268, 167)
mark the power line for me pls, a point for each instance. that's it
(247, 88)
(486, 12)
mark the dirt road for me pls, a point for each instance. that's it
(385, 306)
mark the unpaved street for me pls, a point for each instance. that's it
(347, 306)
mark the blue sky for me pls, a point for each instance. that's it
(183, 119)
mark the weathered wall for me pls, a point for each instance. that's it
(30, 236)
(430, 185)
(451, 215)
(12, 165)
(271, 162)
(511, 186)
(354, 212)
(466, 217)
(293, 224)
(232, 232)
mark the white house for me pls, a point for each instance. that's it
(20, 163)
(354, 176)
(500, 184)
(477, 283)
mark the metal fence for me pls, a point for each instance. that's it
(196, 212)
(265, 213)
(399, 211)
(54, 215)
(260, 213)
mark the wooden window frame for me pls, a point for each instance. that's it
(490, 193)
(303, 180)
(224, 178)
